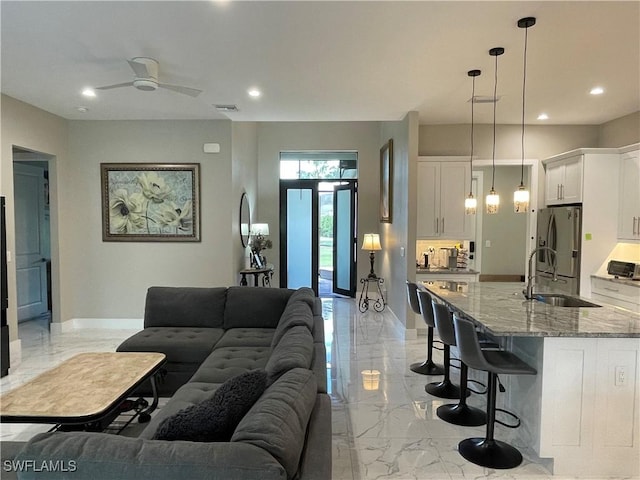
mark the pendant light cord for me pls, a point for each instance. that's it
(524, 85)
(473, 94)
(495, 100)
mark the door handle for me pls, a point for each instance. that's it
(558, 192)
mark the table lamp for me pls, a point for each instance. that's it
(372, 243)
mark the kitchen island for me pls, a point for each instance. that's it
(581, 410)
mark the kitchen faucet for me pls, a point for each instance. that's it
(528, 293)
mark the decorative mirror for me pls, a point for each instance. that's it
(245, 219)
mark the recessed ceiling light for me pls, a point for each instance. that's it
(254, 92)
(89, 92)
(543, 116)
(597, 91)
(82, 109)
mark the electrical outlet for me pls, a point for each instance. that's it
(620, 376)
(402, 251)
(487, 243)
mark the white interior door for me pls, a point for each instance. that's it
(31, 261)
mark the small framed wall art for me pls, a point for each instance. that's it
(150, 202)
(386, 182)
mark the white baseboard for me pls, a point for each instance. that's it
(107, 323)
(15, 353)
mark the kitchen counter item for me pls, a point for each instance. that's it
(503, 311)
(448, 271)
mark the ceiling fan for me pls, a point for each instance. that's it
(146, 78)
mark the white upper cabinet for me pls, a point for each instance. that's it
(564, 181)
(629, 206)
(442, 189)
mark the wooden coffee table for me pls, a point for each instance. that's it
(84, 391)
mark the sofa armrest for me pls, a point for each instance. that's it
(99, 456)
(315, 463)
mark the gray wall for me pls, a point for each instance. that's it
(399, 236)
(274, 137)
(244, 165)
(110, 279)
(620, 132)
(28, 127)
(506, 230)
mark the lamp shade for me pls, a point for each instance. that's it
(371, 242)
(260, 229)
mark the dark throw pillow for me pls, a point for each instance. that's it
(215, 419)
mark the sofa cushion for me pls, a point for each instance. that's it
(304, 294)
(179, 344)
(226, 362)
(215, 419)
(189, 394)
(250, 307)
(296, 314)
(185, 307)
(294, 350)
(278, 420)
(246, 337)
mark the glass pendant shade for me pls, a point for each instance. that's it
(521, 200)
(470, 205)
(493, 202)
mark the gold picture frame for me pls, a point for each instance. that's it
(386, 182)
(150, 202)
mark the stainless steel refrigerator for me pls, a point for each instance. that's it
(561, 229)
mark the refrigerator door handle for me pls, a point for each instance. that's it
(552, 239)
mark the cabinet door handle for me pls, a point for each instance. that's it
(634, 225)
(436, 220)
(558, 192)
(442, 224)
(562, 191)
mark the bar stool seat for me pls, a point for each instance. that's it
(428, 367)
(442, 317)
(487, 451)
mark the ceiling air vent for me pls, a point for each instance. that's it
(484, 99)
(226, 108)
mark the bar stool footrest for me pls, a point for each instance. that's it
(511, 414)
(490, 453)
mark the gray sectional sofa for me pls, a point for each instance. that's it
(212, 337)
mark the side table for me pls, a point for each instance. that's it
(266, 272)
(363, 303)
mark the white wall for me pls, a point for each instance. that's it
(110, 279)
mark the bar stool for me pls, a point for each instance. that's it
(428, 367)
(459, 413)
(487, 451)
(441, 316)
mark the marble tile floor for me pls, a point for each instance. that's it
(388, 433)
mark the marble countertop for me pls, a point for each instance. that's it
(622, 281)
(502, 309)
(447, 271)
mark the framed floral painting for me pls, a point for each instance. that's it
(150, 202)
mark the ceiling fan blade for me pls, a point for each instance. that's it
(140, 69)
(117, 85)
(192, 92)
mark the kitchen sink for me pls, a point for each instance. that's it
(558, 300)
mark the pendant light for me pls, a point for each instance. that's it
(471, 202)
(493, 199)
(521, 195)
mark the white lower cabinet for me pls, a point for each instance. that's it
(614, 293)
(589, 417)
